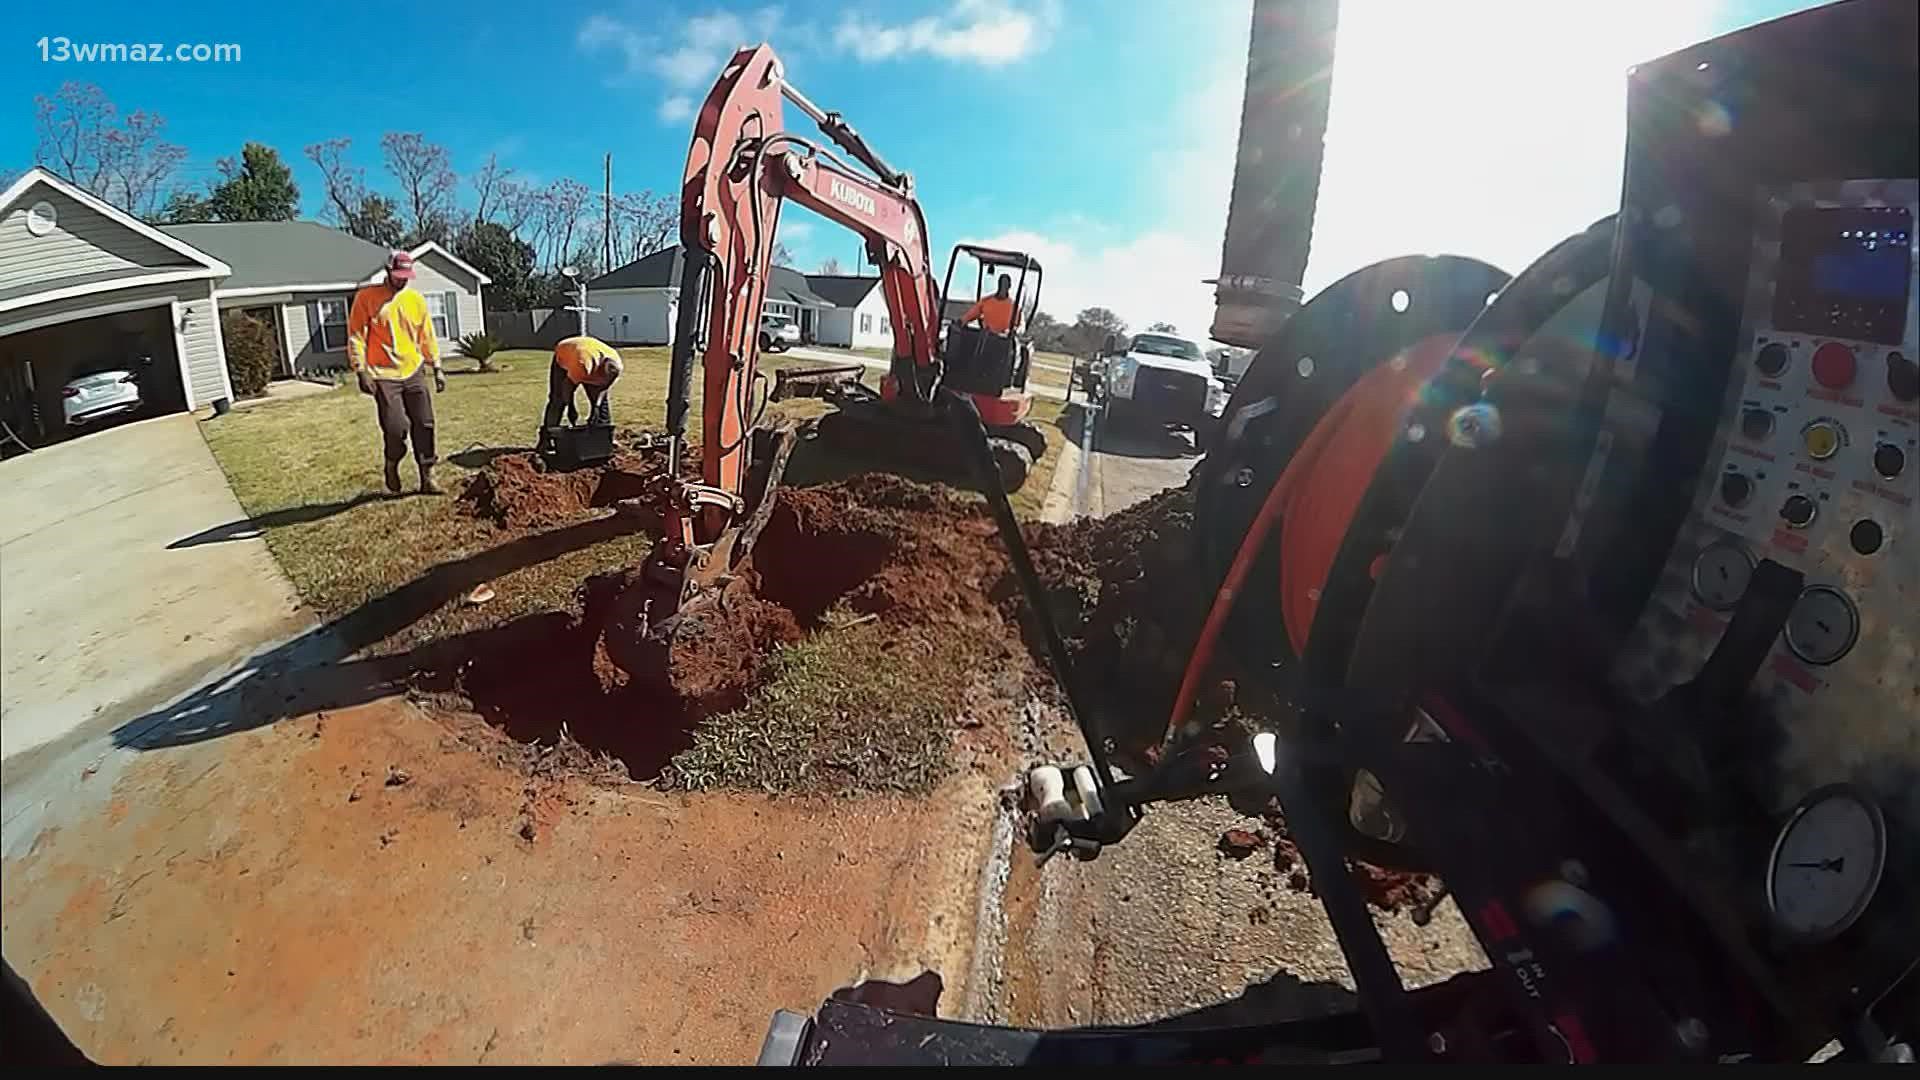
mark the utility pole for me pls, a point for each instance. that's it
(606, 201)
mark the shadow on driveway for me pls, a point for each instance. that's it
(255, 696)
(248, 528)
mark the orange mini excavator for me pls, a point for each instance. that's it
(953, 399)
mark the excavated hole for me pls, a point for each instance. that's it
(548, 674)
(807, 566)
(535, 679)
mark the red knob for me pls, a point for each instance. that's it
(1833, 365)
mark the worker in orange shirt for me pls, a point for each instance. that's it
(994, 312)
(392, 350)
(581, 362)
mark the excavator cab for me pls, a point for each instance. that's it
(977, 360)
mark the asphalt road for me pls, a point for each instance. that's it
(1120, 466)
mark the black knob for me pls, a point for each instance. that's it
(1866, 536)
(1773, 359)
(1756, 424)
(1889, 460)
(1735, 489)
(1903, 377)
(1798, 510)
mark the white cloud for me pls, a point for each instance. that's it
(988, 32)
(1152, 277)
(684, 56)
(1153, 270)
(677, 109)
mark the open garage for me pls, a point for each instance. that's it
(102, 317)
(37, 367)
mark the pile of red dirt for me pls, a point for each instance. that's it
(519, 491)
(1129, 600)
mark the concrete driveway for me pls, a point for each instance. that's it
(117, 588)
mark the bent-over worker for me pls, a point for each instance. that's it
(392, 350)
(994, 312)
(581, 363)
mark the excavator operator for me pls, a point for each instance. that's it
(994, 312)
(581, 362)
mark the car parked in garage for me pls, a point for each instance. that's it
(89, 399)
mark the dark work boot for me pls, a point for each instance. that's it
(393, 477)
(427, 486)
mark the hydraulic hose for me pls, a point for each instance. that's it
(1314, 501)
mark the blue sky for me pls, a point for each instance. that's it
(1096, 132)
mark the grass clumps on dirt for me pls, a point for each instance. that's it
(855, 709)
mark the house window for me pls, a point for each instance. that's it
(885, 326)
(866, 324)
(333, 324)
(438, 306)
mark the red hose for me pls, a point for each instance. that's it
(1316, 497)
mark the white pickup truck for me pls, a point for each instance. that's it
(1162, 379)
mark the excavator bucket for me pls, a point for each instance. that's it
(819, 382)
(686, 621)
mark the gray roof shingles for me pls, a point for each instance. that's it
(283, 253)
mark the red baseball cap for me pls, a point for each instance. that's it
(400, 266)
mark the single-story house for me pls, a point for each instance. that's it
(858, 317)
(299, 277)
(86, 287)
(639, 302)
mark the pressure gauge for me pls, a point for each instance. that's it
(1826, 863)
(1720, 574)
(1822, 625)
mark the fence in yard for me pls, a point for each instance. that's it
(541, 328)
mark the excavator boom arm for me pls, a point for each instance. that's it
(741, 167)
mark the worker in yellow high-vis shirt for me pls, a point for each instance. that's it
(581, 363)
(393, 352)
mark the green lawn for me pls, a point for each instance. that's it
(308, 471)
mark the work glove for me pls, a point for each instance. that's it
(366, 382)
(439, 381)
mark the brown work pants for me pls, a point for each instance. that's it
(405, 407)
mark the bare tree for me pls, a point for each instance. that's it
(829, 265)
(83, 138)
(564, 201)
(781, 255)
(643, 224)
(346, 185)
(516, 203)
(424, 172)
(487, 183)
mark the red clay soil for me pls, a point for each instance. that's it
(518, 491)
(880, 546)
(1125, 590)
(1386, 889)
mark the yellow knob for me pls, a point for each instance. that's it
(1822, 441)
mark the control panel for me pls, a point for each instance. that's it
(1816, 466)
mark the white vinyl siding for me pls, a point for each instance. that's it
(631, 316)
(83, 243)
(433, 274)
(332, 323)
